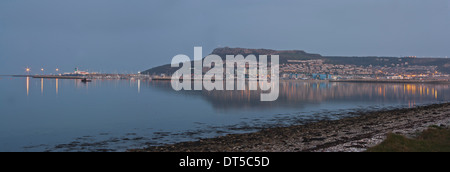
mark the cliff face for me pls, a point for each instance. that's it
(243, 51)
(284, 54)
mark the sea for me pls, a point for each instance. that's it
(59, 115)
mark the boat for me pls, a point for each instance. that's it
(86, 80)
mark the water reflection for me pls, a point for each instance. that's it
(57, 86)
(139, 85)
(42, 86)
(157, 108)
(28, 86)
(299, 93)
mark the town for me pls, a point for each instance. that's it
(318, 70)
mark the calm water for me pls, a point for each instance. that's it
(67, 115)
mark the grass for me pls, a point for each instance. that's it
(434, 139)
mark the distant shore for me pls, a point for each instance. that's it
(391, 81)
(136, 76)
(344, 135)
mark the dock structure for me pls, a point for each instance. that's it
(95, 76)
(56, 77)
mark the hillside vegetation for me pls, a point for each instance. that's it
(285, 55)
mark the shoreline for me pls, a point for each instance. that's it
(353, 134)
(393, 81)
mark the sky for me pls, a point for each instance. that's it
(124, 36)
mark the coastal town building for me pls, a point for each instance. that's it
(318, 69)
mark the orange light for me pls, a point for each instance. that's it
(28, 69)
(57, 70)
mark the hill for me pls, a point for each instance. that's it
(285, 55)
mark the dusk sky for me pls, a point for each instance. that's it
(131, 36)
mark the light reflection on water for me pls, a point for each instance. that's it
(69, 115)
(295, 93)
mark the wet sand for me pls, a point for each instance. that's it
(353, 134)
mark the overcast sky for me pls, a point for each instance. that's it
(134, 35)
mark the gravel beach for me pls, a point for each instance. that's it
(353, 134)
